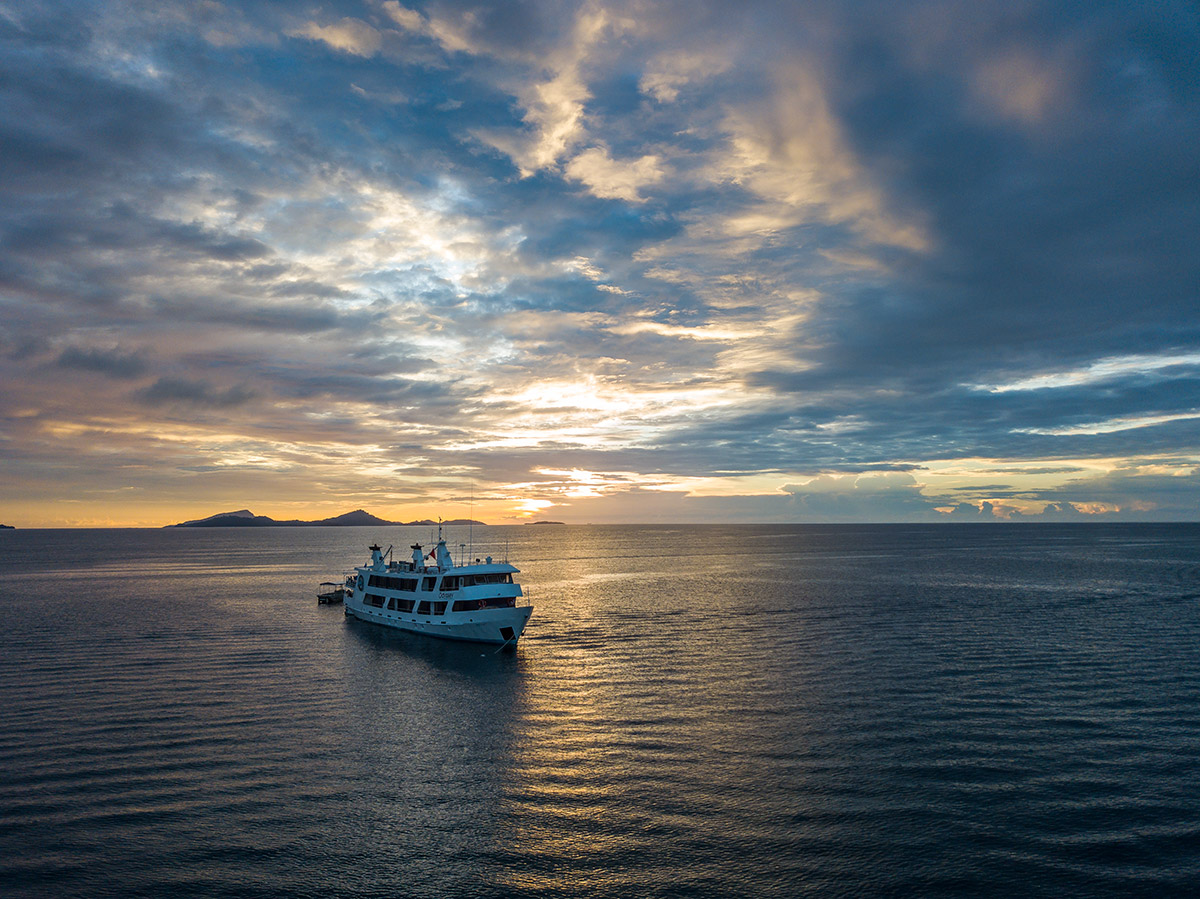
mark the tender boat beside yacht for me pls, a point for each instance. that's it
(329, 593)
(476, 602)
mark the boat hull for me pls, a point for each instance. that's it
(493, 626)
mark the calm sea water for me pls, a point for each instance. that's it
(766, 711)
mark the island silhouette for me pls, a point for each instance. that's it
(244, 518)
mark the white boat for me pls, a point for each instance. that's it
(476, 602)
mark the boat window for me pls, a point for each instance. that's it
(373, 599)
(423, 608)
(391, 605)
(394, 583)
(449, 583)
(427, 584)
(439, 608)
(405, 605)
(493, 578)
(498, 602)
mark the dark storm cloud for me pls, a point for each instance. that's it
(114, 363)
(1064, 221)
(167, 391)
(1057, 239)
(120, 228)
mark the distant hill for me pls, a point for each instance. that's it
(7, 527)
(357, 518)
(544, 522)
(244, 518)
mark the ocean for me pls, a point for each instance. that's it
(694, 711)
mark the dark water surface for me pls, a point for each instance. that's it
(766, 711)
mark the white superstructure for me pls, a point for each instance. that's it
(475, 602)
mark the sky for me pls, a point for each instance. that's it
(600, 262)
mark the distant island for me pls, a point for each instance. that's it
(545, 522)
(244, 518)
(7, 527)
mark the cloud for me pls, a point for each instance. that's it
(674, 70)
(554, 105)
(1137, 491)
(111, 362)
(789, 150)
(1115, 368)
(347, 35)
(1109, 426)
(985, 511)
(167, 390)
(873, 497)
(406, 18)
(1018, 85)
(612, 179)
(1063, 512)
(452, 33)
(721, 249)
